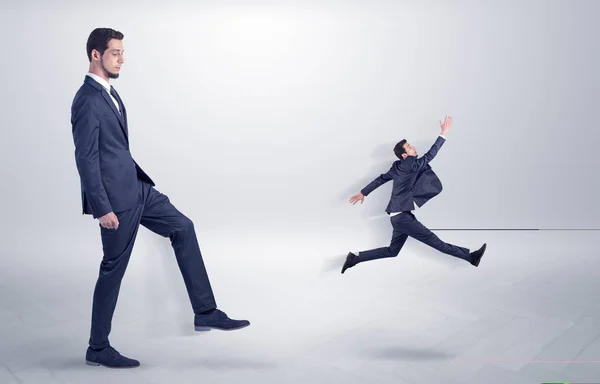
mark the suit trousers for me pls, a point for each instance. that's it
(406, 224)
(156, 213)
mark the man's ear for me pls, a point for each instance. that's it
(404, 156)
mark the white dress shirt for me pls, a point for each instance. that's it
(106, 86)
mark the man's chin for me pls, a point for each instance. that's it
(111, 75)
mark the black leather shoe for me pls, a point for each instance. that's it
(350, 261)
(477, 255)
(217, 320)
(109, 357)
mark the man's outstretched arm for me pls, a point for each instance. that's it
(430, 155)
(378, 182)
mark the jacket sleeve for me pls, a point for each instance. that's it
(419, 163)
(86, 126)
(382, 179)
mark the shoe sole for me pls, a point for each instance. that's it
(206, 329)
(93, 364)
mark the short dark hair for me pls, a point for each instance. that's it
(399, 148)
(99, 39)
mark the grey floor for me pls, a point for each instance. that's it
(529, 314)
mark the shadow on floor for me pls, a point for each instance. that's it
(412, 354)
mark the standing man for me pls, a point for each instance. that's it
(117, 192)
(414, 182)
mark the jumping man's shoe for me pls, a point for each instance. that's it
(351, 261)
(477, 255)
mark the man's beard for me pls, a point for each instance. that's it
(109, 74)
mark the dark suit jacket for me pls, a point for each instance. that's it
(414, 180)
(106, 169)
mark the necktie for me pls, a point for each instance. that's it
(114, 94)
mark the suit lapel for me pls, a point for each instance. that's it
(123, 114)
(122, 118)
(112, 106)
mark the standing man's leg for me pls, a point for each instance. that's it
(161, 217)
(117, 245)
(396, 244)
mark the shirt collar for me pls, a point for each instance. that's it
(100, 80)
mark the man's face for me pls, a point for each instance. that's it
(113, 58)
(410, 150)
